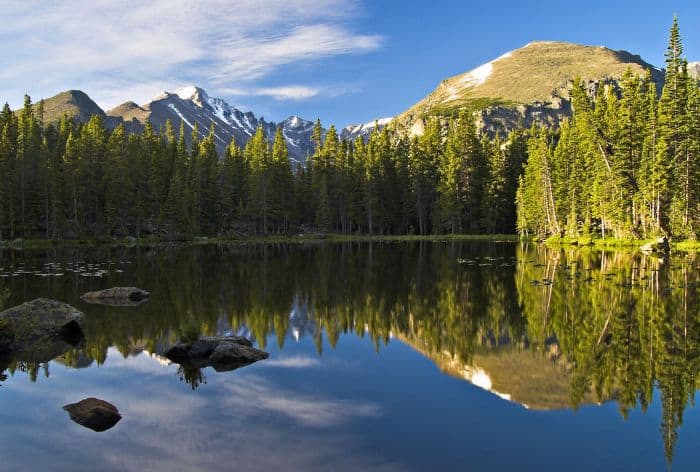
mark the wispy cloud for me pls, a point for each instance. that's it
(290, 92)
(116, 47)
(293, 362)
(307, 410)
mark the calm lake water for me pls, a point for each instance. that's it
(392, 356)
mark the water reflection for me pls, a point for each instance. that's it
(544, 328)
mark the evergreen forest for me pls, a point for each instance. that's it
(625, 165)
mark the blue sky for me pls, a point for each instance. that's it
(343, 61)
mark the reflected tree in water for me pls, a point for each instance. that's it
(595, 325)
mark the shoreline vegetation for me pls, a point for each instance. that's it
(622, 170)
(595, 243)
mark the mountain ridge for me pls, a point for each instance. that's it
(192, 106)
(528, 85)
(525, 86)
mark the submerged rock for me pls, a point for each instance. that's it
(40, 330)
(93, 413)
(117, 296)
(223, 353)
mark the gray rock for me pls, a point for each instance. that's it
(231, 355)
(93, 413)
(221, 352)
(117, 296)
(40, 330)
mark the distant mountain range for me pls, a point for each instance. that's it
(530, 85)
(193, 106)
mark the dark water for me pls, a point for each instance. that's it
(453, 356)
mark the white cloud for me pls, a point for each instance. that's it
(305, 409)
(293, 362)
(254, 57)
(285, 92)
(289, 92)
(133, 49)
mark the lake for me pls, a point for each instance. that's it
(455, 355)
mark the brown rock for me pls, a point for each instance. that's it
(93, 413)
(117, 296)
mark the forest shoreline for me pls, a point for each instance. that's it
(553, 241)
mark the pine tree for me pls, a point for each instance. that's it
(234, 186)
(495, 199)
(116, 183)
(281, 183)
(257, 154)
(669, 150)
(425, 155)
(535, 198)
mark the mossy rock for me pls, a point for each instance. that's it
(40, 330)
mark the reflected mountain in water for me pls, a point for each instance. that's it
(513, 373)
(545, 328)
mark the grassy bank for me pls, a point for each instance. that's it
(553, 241)
(621, 244)
(253, 239)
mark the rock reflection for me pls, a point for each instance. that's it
(191, 375)
(546, 328)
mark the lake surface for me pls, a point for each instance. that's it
(391, 356)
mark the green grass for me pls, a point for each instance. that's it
(555, 241)
(618, 243)
(689, 246)
(189, 333)
(253, 239)
(451, 108)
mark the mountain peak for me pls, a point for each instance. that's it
(539, 73)
(187, 92)
(352, 132)
(295, 121)
(197, 94)
(74, 103)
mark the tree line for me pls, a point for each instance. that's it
(68, 180)
(625, 165)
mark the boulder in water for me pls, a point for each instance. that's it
(40, 330)
(93, 413)
(223, 353)
(117, 296)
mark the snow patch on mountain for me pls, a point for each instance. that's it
(193, 107)
(186, 93)
(503, 56)
(471, 79)
(351, 132)
(182, 117)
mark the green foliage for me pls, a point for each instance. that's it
(588, 325)
(626, 166)
(469, 105)
(189, 333)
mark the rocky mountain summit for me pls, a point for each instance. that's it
(530, 85)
